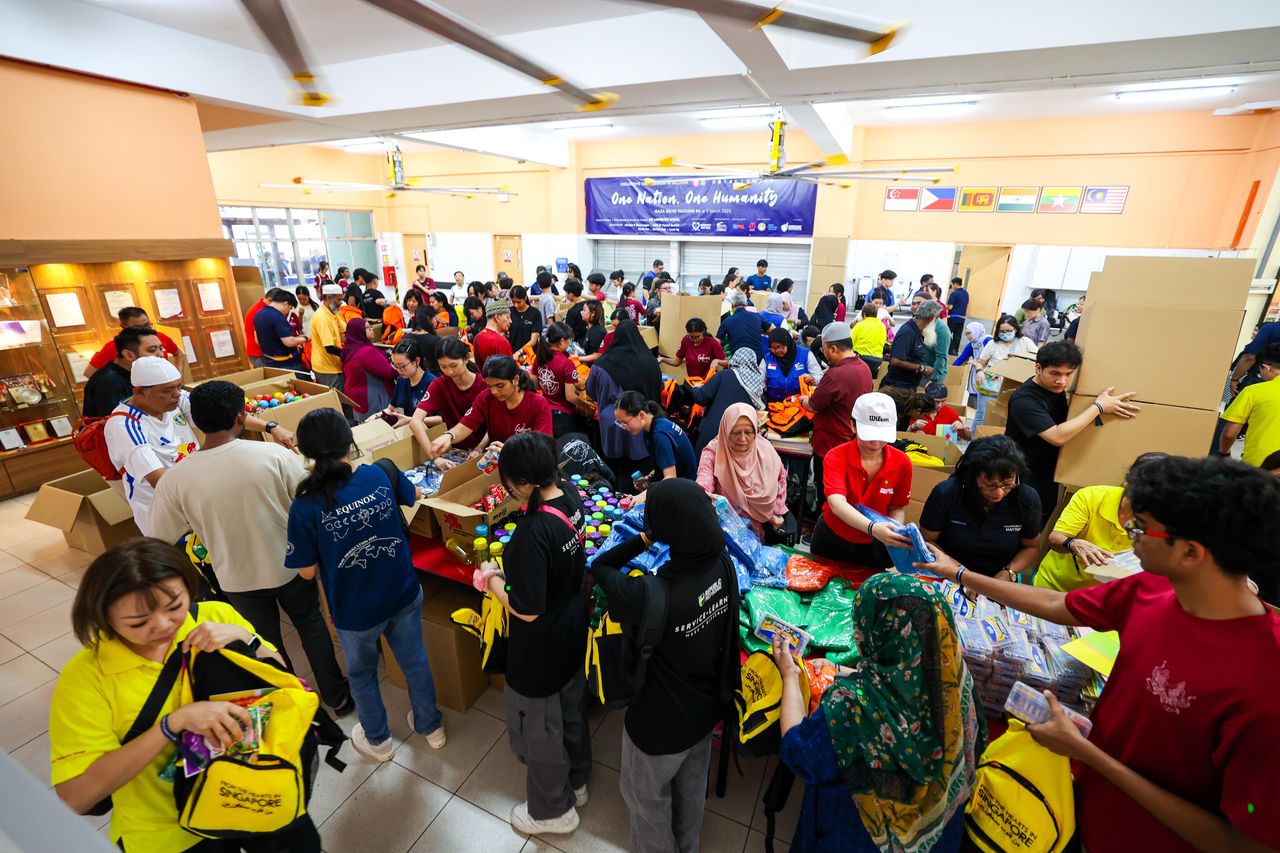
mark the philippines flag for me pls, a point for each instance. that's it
(901, 198)
(1104, 199)
(938, 198)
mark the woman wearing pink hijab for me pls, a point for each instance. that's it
(745, 468)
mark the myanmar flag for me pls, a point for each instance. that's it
(1059, 200)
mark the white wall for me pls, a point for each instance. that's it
(471, 252)
(910, 259)
(543, 249)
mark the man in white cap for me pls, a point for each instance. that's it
(327, 334)
(155, 433)
(867, 472)
(841, 385)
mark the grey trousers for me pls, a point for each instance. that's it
(333, 380)
(551, 739)
(665, 795)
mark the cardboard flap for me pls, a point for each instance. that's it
(1014, 367)
(111, 506)
(56, 507)
(373, 434)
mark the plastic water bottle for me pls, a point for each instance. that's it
(453, 546)
(495, 553)
(480, 549)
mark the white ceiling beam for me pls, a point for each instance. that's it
(514, 143)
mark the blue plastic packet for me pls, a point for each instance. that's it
(903, 558)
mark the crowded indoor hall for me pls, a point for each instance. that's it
(658, 426)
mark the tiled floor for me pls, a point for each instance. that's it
(454, 799)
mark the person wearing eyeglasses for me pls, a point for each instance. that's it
(984, 515)
(1183, 751)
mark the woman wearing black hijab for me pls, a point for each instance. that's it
(666, 739)
(627, 365)
(825, 312)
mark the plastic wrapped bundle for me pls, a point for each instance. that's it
(770, 568)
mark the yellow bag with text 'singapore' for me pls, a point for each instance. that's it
(1022, 800)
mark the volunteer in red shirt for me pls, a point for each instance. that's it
(868, 471)
(935, 416)
(492, 339)
(130, 318)
(1183, 752)
(251, 346)
(698, 351)
(558, 379)
(449, 396)
(509, 404)
(847, 379)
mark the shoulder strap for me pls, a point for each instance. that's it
(156, 699)
(550, 510)
(654, 617)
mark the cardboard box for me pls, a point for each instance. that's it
(1016, 370)
(91, 514)
(830, 252)
(454, 653)
(938, 446)
(453, 511)
(247, 377)
(1101, 455)
(291, 414)
(913, 511)
(1173, 282)
(375, 439)
(988, 429)
(821, 277)
(649, 335)
(1136, 347)
(677, 309)
(924, 480)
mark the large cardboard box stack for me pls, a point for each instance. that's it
(827, 259)
(454, 653)
(91, 514)
(1165, 328)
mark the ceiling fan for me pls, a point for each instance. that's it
(272, 18)
(813, 172)
(398, 182)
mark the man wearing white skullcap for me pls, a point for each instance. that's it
(150, 432)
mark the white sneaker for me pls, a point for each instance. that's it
(580, 796)
(563, 825)
(379, 752)
(436, 739)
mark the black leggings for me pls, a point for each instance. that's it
(825, 542)
(302, 837)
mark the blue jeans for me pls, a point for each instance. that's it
(404, 634)
(981, 410)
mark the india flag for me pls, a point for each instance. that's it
(1017, 199)
(1059, 200)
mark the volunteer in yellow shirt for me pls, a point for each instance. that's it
(1258, 407)
(132, 611)
(327, 333)
(869, 338)
(1089, 532)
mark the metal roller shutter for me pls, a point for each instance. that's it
(634, 257)
(786, 260)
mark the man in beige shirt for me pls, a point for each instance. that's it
(235, 496)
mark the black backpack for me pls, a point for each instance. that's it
(618, 655)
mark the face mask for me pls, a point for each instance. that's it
(1006, 336)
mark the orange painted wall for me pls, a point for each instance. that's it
(91, 159)
(1189, 175)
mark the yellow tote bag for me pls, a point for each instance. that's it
(1022, 799)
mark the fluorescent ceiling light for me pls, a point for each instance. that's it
(736, 121)
(1176, 93)
(584, 122)
(740, 112)
(927, 105)
(584, 130)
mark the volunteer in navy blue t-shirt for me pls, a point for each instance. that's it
(743, 328)
(275, 335)
(669, 446)
(346, 524)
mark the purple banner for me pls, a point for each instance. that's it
(700, 207)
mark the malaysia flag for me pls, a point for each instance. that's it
(938, 198)
(901, 198)
(1104, 199)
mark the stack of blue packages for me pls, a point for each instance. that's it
(756, 564)
(632, 524)
(903, 558)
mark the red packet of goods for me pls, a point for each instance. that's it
(806, 575)
(822, 674)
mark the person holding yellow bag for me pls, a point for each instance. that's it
(899, 731)
(134, 613)
(1182, 753)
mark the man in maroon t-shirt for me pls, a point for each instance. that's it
(1183, 752)
(831, 403)
(698, 352)
(492, 339)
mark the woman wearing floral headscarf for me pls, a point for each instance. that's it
(896, 737)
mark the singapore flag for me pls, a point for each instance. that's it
(901, 198)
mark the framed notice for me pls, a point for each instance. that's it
(224, 345)
(10, 439)
(66, 310)
(35, 431)
(117, 301)
(168, 303)
(78, 362)
(210, 294)
(61, 427)
(189, 348)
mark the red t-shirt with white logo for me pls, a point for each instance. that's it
(1192, 705)
(553, 376)
(698, 357)
(843, 474)
(487, 413)
(446, 399)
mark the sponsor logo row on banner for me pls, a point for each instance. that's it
(1007, 199)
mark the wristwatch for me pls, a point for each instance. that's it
(1066, 546)
(271, 425)
(255, 643)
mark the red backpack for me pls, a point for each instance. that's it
(90, 441)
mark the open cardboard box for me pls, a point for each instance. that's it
(1124, 342)
(1102, 455)
(246, 377)
(1015, 370)
(91, 514)
(677, 309)
(290, 414)
(454, 653)
(375, 439)
(1180, 282)
(454, 513)
(937, 446)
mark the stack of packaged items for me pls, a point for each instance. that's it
(1002, 646)
(826, 616)
(428, 475)
(197, 751)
